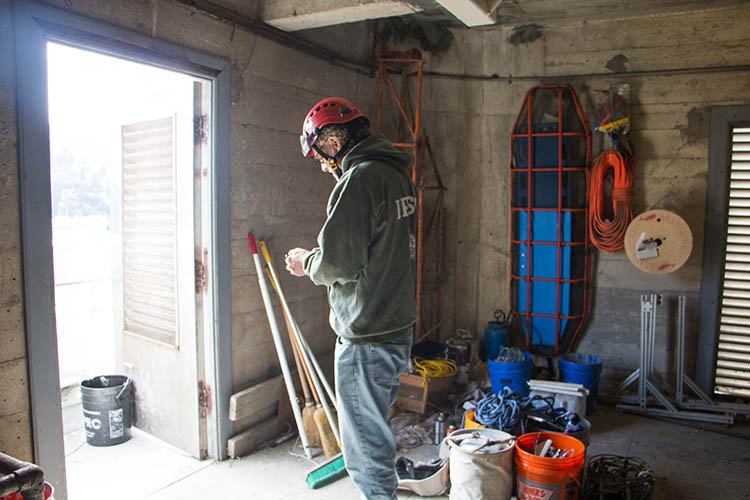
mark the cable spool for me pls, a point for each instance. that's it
(658, 242)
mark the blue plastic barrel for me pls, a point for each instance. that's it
(583, 369)
(495, 335)
(516, 374)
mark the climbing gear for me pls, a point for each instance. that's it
(617, 477)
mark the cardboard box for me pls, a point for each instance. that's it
(413, 397)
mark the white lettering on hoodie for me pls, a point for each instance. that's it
(405, 206)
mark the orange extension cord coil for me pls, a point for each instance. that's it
(609, 235)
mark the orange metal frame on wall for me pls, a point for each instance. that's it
(530, 135)
(406, 124)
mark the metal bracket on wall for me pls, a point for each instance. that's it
(647, 376)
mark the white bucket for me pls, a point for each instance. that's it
(477, 475)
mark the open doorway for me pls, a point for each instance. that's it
(36, 25)
(129, 146)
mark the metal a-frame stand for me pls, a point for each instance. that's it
(406, 124)
(701, 409)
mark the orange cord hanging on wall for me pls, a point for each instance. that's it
(610, 214)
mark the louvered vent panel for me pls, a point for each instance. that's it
(733, 355)
(148, 214)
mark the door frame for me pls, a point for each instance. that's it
(722, 119)
(34, 25)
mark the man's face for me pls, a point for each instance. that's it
(329, 147)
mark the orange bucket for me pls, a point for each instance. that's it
(545, 477)
(470, 423)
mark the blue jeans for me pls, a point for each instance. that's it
(366, 388)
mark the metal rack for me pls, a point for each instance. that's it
(405, 113)
(652, 383)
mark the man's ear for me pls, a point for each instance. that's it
(335, 143)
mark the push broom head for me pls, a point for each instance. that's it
(326, 473)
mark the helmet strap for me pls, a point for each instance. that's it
(333, 161)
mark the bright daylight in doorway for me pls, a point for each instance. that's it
(92, 97)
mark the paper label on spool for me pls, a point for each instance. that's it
(658, 242)
(647, 248)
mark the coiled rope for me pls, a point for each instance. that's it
(609, 235)
(434, 368)
(506, 411)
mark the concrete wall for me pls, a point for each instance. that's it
(15, 425)
(275, 192)
(473, 119)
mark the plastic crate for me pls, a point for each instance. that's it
(414, 397)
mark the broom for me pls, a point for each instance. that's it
(308, 412)
(308, 418)
(333, 468)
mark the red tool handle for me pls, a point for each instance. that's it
(251, 239)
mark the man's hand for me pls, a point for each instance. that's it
(295, 259)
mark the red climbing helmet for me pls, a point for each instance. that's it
(326, 112)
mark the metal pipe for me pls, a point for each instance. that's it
(19, 476)
(680, 347)
(509, 79)
(529, 221)
(645, 308)
(559, 218)
(287, 375)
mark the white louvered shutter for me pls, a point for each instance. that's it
(148, 230)
(733, 355)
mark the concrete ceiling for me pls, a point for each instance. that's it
(295, 15)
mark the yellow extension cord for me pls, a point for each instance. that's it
(434, 368)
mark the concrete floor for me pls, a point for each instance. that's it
(688, 463)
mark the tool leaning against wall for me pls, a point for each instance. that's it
(333, 468)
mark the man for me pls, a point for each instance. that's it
(366, 257)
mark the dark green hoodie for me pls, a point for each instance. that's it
(367, 255)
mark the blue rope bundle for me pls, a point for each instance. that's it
(500, 411)
(506, 411)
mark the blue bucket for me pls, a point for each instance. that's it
(515, 375)
(583, 369)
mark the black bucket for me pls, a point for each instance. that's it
(108, 409)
